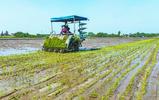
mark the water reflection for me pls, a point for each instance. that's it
(10, 51)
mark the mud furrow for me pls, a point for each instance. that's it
(153, 83)
(124, 83)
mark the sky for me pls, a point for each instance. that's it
(108, 16)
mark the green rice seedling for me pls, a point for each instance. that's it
(142, 70)
(110, 92)
(55, 42)
(40, 69)
(94, 94)
(147, 72)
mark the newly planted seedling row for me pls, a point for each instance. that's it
(80, 75)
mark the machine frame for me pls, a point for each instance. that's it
(74, 19)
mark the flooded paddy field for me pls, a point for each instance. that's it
(123, 69)
(20, 46)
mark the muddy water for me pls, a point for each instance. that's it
(19, 46)
(109, 41)
(153, 83)
(10, 51)
(124, 83)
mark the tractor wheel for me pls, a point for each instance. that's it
(76, 46)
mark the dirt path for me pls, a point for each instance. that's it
(153, 83)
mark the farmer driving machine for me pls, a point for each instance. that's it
(66, 41)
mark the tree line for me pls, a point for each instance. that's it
(119, 34)
(22, 35)
(27, 35)
(89, 34)
(6, 33)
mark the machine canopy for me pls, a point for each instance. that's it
(69, 19)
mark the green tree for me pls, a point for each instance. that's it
(2, 34)
(91, 34)
(119, 33)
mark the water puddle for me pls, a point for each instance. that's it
(87, 49)
(10, 51)
(23, 50)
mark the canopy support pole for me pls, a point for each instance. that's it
(79, 26)
(51, 28)
(74, 25)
